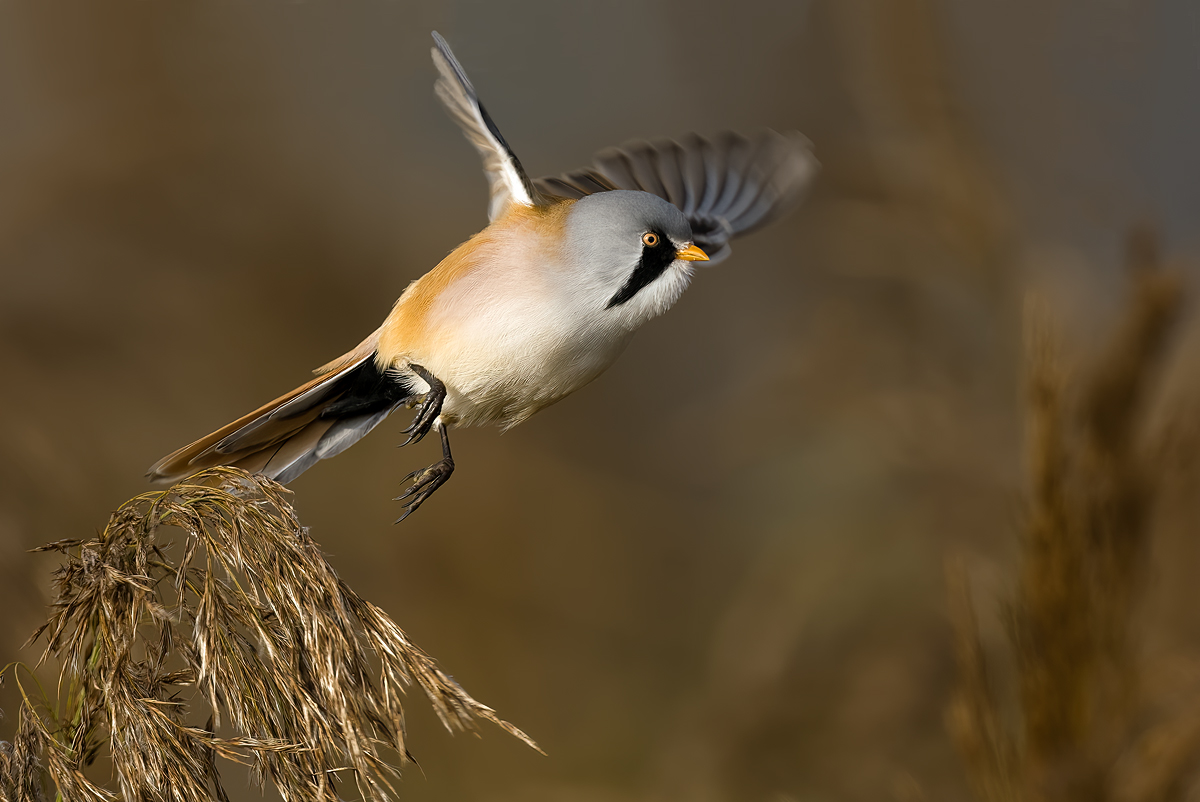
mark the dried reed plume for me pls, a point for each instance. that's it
(1094, 476)
(305, 675)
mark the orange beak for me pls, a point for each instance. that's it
(692, 254)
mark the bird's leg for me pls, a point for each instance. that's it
(430, 406)
(427, 480)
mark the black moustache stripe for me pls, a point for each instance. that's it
(652, 264)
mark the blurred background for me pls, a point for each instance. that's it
(727, 588)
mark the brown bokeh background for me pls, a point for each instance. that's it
(715, 574)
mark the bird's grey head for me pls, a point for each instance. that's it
(636, 250)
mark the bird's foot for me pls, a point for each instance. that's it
(424, 482)
(428, 410)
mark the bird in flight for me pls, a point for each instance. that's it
(530, 309)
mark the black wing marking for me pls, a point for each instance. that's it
(506, 177)
(313, 422)
(726, 186)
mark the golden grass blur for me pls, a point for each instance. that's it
(1081, 730)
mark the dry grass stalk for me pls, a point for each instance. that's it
(973, 716)
(306, 675)
(1088, 531)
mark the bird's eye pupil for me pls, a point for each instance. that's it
(650, 239)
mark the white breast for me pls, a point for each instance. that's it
(514, 334)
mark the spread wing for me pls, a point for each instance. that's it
(726, 186)
(506, 178)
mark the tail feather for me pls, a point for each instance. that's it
(288, 414)
(286, 437)
(298, 453)
(348, 431)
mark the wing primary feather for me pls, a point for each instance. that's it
(726, 186)
(590, 182)
(750, 183)
(737, 153)
(788, 171)
(714, 176)
(644, 165)
(506, 177)
(670, 170)
(691, 161)
(613, 164)
(560, 188)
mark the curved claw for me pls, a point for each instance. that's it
(426, 480)
(408, 478)
(422, 423)
(430, 408)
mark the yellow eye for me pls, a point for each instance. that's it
(649, 239)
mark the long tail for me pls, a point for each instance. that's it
(315, 421)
